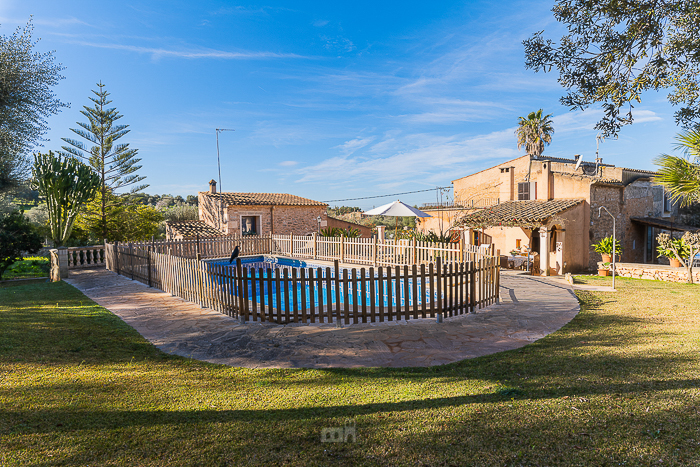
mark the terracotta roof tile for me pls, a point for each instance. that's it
(513, 213)
(263, 199)
(193, 228)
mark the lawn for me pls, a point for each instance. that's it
(619, 385)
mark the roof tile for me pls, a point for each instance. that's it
(522, 213)
(193, 228)
(263, 199)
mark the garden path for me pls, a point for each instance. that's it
(530, 308)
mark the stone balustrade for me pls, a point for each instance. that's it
(65, 259)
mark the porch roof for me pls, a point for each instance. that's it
(531, 213)
(193, 228)
(664, 224)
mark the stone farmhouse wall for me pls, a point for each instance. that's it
(279, 220)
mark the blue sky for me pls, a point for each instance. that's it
(329, 100)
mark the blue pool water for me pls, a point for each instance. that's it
(264, 266)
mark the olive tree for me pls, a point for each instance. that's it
(690, 240)
(26, 101)
(615, 50)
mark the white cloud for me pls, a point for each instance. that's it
(353, 145)
(643, 116)
(191, 54)
(428, 154)
(288, 163)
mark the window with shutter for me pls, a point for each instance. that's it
(523, 191)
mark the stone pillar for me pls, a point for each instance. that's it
(544, 251)
(561, 237)
(380, 232)
(59, 264)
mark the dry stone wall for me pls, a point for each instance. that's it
(656, 272)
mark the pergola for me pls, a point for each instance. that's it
(530, 214)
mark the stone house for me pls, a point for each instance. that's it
(257, 214)
(551, 205)
(260, 213)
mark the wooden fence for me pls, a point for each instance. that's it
(364, 251)
(315, 295)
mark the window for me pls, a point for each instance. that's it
(527, 191)
(249, 225)
(667, 202)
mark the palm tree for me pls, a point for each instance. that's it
(680, 176)
(534, 132)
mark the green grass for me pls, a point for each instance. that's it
(619, 385)
(35, 266)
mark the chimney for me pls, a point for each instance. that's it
(545, 181)
(507, 184)
(212, 186)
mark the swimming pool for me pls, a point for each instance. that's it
(291, 286)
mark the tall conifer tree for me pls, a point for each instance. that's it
(115, 163)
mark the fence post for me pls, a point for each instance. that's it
(239, 288)
(315, 244)
(472, 286)
(338, 288)
(438, 262)
(374, 251)
(342, 248)
(415, 251)
(131, 260)
(461, 247)
(497, 272)
(148, 264)
(291, 245)
(115, 258)
(197, 248)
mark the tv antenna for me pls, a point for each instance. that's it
(598, 160)
(218, 158)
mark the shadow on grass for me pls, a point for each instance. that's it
(46, 420)
(55, 323)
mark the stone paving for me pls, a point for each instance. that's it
(530, 308)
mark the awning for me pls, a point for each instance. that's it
(518, 213)
(664, 224)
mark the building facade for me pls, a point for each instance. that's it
(530, 202)
(260, 213)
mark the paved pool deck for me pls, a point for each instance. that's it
(530, 308)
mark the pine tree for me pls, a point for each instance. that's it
(115, 163)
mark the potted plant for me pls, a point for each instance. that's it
(604, 269)
(605, 248)
(672, 249)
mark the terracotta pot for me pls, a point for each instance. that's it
(606, 258)
(603, 272)
(674, 263)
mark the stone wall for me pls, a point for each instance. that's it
(365, 232)
(656, 272)
(298, 220)
(210, 211)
